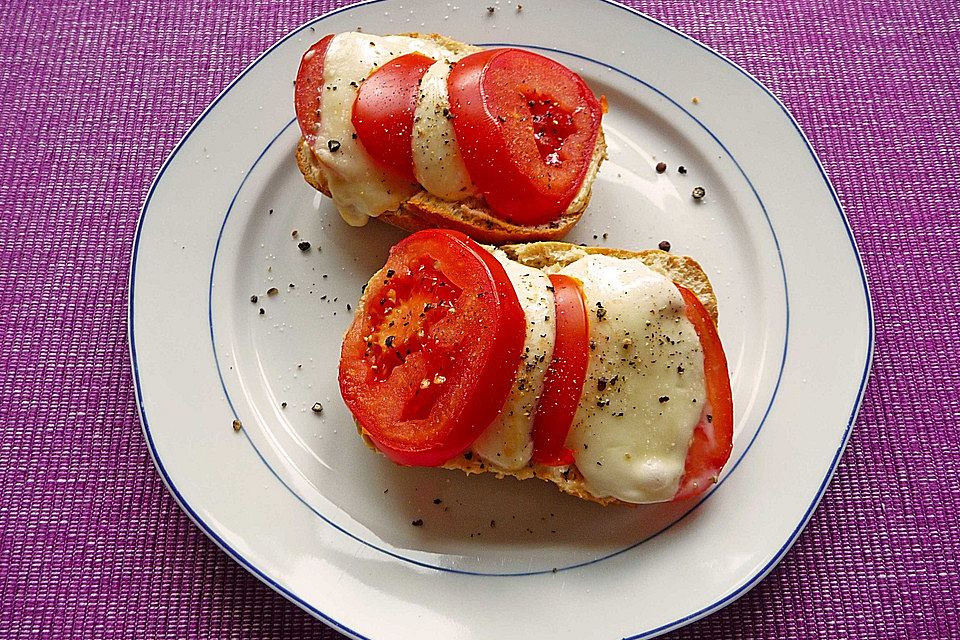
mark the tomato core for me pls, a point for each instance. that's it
(552, 124)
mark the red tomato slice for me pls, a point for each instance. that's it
(563, 384)
(431, 357)
(713, 438)
(526, 127)
(383, 112)
(306, 98)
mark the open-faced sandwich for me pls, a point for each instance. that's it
(423, 131)
(599, 370)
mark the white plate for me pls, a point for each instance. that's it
(298, 500)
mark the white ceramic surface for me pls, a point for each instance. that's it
(297, 499)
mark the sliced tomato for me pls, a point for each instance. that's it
(383, 112)
(432, 355)
(526, 127)
(713, 438)
(563, 384)
(307, 96)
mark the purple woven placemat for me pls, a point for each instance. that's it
(95, 95)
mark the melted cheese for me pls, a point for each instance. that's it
(436, 157)
(645, 392)
(508, 443)
(360, 189)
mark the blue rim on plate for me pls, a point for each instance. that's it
(752, 581)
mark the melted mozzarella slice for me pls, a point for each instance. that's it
(360, 189)
(645, 390)
(436, 157)
(508, 443)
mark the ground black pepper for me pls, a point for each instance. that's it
(664, 245)
(333, 145)
(254, 298)
(682, 170)
(698, 193)
(418, 522)
(661, 167)
(303, 246)
(317, 407)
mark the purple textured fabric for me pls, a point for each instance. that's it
(95, 95)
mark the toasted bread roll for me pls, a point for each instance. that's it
(551, 256)
(471, 215)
